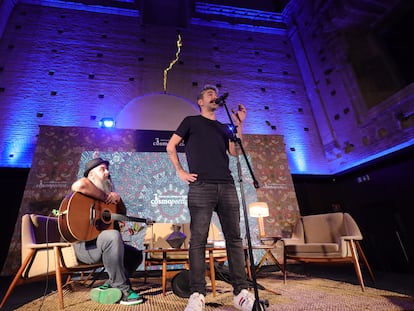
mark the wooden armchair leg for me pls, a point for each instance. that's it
(17, 277)
(92, 278)
(364, 259)
(164, 277)
(58, 277)
(356, 264)
(247, 261)
(10, 289)
(284, 265)
(212, 273)
(145, 272)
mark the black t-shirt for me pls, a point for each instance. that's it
(206, 144)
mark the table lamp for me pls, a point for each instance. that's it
(259, 210)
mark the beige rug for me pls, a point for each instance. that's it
(300, 293)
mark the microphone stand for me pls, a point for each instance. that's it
(259, 304)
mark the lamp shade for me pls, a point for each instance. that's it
(258, 209)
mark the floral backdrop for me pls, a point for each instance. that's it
(146, 180)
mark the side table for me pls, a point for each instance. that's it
(268, 255)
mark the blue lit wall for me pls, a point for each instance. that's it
(74, 65)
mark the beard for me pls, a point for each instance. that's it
(103, 184)
(107, 185)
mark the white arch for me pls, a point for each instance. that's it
(157, 111)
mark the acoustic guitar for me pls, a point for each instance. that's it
(82, 218)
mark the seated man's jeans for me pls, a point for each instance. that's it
(203, 199)
(119, 259)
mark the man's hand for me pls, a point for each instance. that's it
(112, 198)
(187, 177)
(239, 115)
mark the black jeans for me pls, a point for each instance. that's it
(203, 199)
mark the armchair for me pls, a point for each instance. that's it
(43, 254)
(326, 238)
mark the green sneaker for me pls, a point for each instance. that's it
(131, 298)
(104, 286)
(105, 294)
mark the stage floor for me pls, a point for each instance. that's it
(321, 288)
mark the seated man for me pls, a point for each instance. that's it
(120, 260)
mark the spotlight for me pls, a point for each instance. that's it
(107, 123)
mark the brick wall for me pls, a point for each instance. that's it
(70, 68)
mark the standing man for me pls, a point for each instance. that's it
(211, 188)
(120, 260)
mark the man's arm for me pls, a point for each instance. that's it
(86, 187)
(172, 154)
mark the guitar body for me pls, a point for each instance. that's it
(82, 218)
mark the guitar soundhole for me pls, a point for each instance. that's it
(106, 217)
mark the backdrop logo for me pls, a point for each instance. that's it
(170, 201)
(152, 141)
(162, 142)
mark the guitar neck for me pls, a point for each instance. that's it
(121, 217)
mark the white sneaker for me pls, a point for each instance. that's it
(244, 301)
(196, 302)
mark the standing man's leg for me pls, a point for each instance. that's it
(202, 198)
(229, 214)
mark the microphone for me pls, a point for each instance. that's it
(221, 100)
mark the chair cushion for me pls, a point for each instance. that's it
(182, 255)
(323, 228)
(314, 250)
